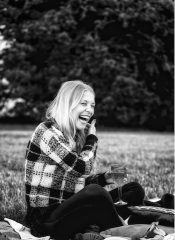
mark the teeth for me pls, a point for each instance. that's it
(84, 118)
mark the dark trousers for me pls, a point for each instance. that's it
(92, 205)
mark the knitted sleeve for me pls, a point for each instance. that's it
(51, 142)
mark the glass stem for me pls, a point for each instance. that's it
(120, 193)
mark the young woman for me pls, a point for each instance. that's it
(59, 159)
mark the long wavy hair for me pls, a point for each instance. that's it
(68, 97)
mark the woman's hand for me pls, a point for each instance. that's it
(108, 177)
(92, 128)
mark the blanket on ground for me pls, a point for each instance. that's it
(134, 231)
(11, 230)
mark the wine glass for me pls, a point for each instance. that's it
(119, 175)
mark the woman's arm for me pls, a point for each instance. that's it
(50, 141)
(102, 179)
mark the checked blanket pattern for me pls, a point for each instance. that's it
(52, 166)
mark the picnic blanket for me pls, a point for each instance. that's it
(138, 231)
(15, 231)
(12, 230)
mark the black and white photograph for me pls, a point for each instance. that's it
(87, 120)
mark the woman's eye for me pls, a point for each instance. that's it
(93, 106)
(83, 104)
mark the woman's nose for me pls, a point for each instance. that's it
(89, 108)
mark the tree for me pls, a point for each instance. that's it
(123, 48)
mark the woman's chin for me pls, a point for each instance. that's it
(80, 126)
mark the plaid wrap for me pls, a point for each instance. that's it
(52, 166)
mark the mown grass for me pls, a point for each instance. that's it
(149, 158)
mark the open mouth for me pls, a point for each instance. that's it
(84, 119)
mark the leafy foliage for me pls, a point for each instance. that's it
(123, 48)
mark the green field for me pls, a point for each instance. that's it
(149, 158)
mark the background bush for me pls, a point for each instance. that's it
(124, 49)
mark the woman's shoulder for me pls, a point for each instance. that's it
(46, 127)
(48, 124)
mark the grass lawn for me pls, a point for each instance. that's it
(148, 156)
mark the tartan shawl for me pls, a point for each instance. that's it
(52, 167)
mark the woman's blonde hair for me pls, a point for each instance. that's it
(68, 97)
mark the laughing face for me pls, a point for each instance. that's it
(84, 110)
